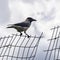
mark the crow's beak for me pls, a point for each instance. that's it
(34, 20)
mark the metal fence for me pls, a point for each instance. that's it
(16, 47)
(53, 51)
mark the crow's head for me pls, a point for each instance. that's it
(30, 19)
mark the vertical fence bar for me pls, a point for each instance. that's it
(24, 49)
(37, 44)
(19, 47)
(15, 46)
(30, 46)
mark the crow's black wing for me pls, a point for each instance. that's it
(23, 24)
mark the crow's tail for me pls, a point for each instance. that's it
(10, 26)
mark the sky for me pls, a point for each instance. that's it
(46, 12)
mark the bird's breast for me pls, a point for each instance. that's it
(20, 29)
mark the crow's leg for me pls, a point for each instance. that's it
(20, 33)
(26, 34)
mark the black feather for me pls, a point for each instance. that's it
(22, 24)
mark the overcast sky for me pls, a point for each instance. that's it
(46, 12)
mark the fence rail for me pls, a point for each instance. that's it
(16, 47)
(53, 51)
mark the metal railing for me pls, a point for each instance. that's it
(16, 47)
(53, 51)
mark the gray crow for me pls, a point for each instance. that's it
(23, 26)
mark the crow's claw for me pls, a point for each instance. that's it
(20, 34)
(28, 36)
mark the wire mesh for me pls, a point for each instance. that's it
(16, 47)
(53, 51)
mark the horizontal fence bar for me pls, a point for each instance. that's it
(19, 35)
(51, 49)
(18, 57)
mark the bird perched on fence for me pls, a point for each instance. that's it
(23, 26)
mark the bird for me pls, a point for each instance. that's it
(22, 26)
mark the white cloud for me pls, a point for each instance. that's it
(19, 10)
(4, 11)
